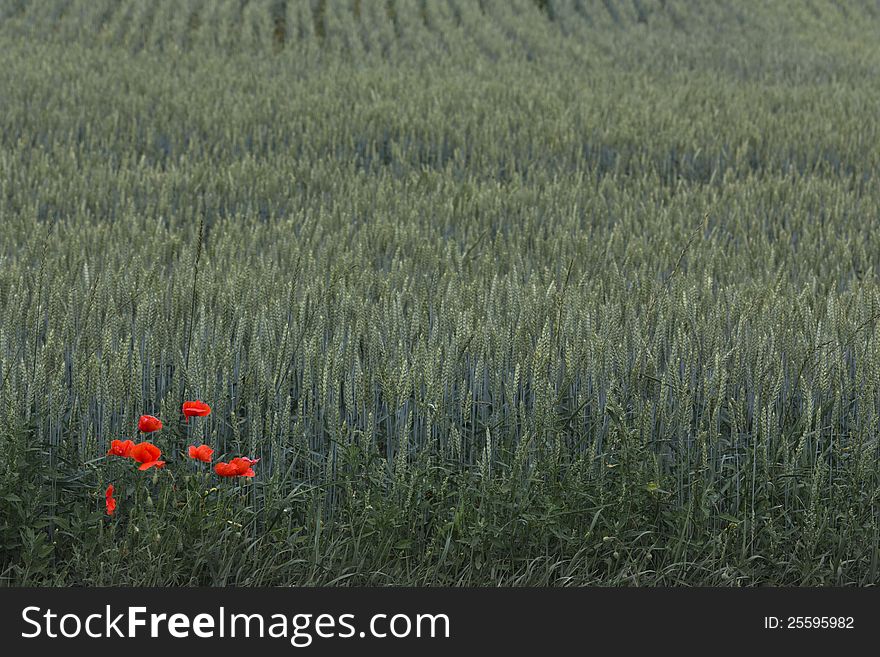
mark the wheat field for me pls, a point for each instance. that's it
(560, 292)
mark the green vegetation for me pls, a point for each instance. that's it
(525, 293)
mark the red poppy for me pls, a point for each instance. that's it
(197, 408)
(120, 448)
(149, 424)
(108, 498)
(147, 454)
(201, 453)
(237, 467)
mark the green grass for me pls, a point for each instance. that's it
(533, 293)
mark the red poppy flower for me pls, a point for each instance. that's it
(147, 454)
(149, 424)
(237, 467)
(201, 453)
(120, 448)
(197, 408)
(108, 498)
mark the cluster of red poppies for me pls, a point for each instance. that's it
(148, 455)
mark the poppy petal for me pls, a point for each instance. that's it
(145, 452)
(196, 408)
(201, 453)
(149, 423)
(109, 501)
(120, 448)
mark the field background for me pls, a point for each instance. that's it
(528, 293)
